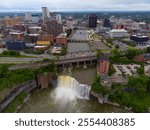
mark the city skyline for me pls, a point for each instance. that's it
(75, 5)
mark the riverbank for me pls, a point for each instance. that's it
(16, 96)
(105, 100)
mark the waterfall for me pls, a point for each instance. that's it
(69, 89)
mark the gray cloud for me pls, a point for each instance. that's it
(75, 4)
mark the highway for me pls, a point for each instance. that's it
(18, 60)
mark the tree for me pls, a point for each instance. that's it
(111, 70)
(117, 46)
(115, 55)
(148, 85)
(148, 49)
(131, 53)
(140, 70)
(3, 71)
(99, 53)
(140, 83)
(69, 31)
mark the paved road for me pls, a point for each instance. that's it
(21, 60)
(122, 46)
(30, 60)
(62, 60)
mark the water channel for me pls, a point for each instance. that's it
(62, 99)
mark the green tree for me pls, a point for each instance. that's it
(99, 53)
(148, 49)
(115, 55)
(131, 53)
(140, 70)
(3, 71)
(117, 46)
(148, 85)
(111, 70)
(140, 83)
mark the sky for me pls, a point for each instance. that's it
(75, 5)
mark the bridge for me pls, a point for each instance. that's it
(62, 61)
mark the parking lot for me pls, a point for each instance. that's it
(98, 45)
(126, 69)
(77, 47)
(79, 35)
(147, 70)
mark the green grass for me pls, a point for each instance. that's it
(16, 77)
(12, 107)
(19, 56)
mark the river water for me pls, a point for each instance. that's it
(43, 101)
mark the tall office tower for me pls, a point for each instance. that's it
(106, 23)
(28, 16)
(58, 18)
(92, 21)
(45, 14)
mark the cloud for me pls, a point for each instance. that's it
(75, 4)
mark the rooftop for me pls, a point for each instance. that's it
(43, 42)
(34, 35)
(62, 35)
(140, 36)
(118, 30)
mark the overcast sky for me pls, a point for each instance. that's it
(83, 5)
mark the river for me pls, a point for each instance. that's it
(42, 101)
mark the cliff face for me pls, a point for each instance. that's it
(44, 80)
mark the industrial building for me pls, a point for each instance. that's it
(139, 39)
(118, 33)
(92, 21)
(47, 38)
(15, 45)
(42, 45)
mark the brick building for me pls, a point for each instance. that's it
(61, 39)
(103, 68)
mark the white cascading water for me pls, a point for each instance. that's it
(69, 89)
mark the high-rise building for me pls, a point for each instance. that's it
(45, 14)
(92, 21)
(106, 23)
(28, 16)
(58, 18)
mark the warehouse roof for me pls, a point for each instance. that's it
(43, 42)
(118, 30)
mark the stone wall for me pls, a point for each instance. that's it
(43, 80)
(26, 87)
